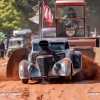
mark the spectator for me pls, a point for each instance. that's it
(6, 46)
(2, 48)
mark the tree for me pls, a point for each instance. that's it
(25, 6)
(93, 16)
(11, 17)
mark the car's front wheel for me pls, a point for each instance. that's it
(24, 81)
(70, 75)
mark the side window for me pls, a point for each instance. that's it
(36, 47)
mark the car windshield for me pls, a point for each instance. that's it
(57, 46)
(36, 47)
(14, 43)
(54, 46)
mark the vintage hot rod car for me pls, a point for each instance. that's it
(20, 39)
(50, 58)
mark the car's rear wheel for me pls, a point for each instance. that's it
(24, 81)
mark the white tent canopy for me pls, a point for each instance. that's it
(1, 33)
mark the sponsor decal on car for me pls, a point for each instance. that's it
(70, 31)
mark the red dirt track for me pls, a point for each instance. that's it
(88, 89)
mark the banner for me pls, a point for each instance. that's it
(36, 8)
(35, 19)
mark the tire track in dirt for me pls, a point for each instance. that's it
(40, 91)
(80, 91)
(47, 92)
(56, 93)
(71, 91)
(13, 90)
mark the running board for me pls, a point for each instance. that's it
(44, 77)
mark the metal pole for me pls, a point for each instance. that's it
(40, 18)
(88, 30)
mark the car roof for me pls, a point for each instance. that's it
(16, 39)
(49, 40)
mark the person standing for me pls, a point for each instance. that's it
(6, 46)
(2, 48)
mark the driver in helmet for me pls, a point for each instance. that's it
(71, 13)
(44, 50)
(70, 23)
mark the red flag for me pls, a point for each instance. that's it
(48, 17)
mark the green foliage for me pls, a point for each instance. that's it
(11, 18)
(93, 16)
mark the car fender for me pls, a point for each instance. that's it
(65, 67)
(23, 72)
(30, 57)
(28, 70)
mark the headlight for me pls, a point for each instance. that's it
(57, 67)
(31, 69)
